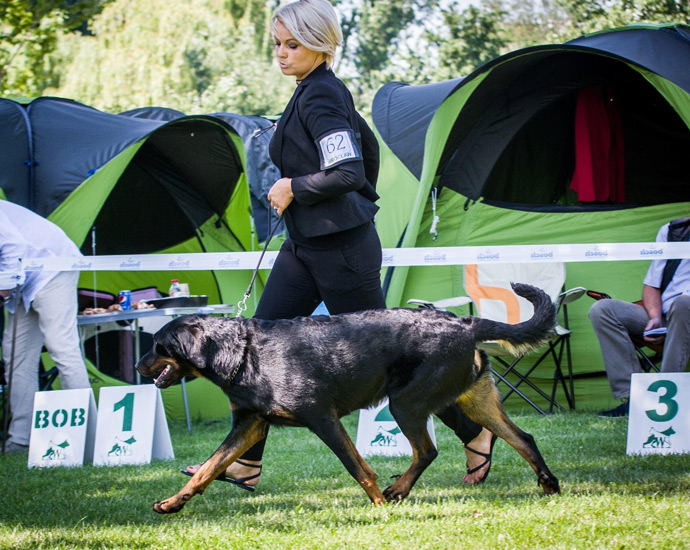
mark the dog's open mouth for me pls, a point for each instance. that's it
(165, 378)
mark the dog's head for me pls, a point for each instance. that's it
(191, 345)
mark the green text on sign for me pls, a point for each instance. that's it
(127, 402)
(665, 399)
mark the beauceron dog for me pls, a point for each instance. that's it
(311, 371)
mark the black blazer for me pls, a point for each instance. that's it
(337, 197)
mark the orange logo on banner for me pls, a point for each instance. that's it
(478, 292)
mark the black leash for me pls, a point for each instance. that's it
(242, 304)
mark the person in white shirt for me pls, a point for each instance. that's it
(665, 303)
(46, 313)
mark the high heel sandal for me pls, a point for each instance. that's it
(487, 460)
(241, 482)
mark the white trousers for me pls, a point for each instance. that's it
(50, 321)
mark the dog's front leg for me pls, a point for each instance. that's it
(247, 429)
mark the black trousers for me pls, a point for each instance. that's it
(346, 279)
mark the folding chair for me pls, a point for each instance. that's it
(488, 285)
(649, 362)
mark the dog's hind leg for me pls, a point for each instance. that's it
(423, 451)
(247, 429)
(331, 431)
(482, 403)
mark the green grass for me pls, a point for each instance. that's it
(306, 499)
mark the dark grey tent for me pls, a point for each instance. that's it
(256, 133)
(499, 146)
(146, 185)
(512, 135)
(155, 183)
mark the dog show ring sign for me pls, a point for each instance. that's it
(132, 428)
(62, 428)
(659, 418)
(379, 434)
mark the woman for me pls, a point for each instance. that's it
(328, 160)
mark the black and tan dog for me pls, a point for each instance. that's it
(312, 371)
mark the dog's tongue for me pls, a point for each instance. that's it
(161, 376)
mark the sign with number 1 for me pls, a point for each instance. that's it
(132, 428)
(659, 421)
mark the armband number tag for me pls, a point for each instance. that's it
(336, 148)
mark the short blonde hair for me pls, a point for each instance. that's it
(313, 23)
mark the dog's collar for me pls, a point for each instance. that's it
(234, 372)
(237, 368)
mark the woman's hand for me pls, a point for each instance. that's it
(281, 195)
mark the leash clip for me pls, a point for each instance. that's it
(242, 305)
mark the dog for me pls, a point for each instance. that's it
(311, 371)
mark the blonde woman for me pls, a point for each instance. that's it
(328, 159)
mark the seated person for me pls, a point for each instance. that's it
(666, 303)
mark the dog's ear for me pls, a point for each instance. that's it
(192, 344)
(220, 343)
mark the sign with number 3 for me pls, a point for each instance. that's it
(659, 421)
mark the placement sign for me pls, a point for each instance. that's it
(132, 428)
(659, 421)
(379, 434)
(62, 429)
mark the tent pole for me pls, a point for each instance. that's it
(95, 293)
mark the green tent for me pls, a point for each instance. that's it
(126, 185)
(499, 148)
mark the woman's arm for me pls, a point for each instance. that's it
(325, 113)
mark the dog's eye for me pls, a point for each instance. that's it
(160, 350)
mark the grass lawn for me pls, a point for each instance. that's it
(307, 500)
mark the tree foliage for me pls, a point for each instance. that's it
(217, 55)
(29, 31)
(594, 15)
(199, 57)
(470, 38)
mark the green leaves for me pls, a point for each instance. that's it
(29, 31)
(217, 55)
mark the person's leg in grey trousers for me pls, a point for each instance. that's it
(614, 321)
(677, 344)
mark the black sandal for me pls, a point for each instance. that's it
(487, 460)
(241, 482)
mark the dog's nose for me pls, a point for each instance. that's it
(141, 364)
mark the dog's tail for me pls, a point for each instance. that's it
(523, 336)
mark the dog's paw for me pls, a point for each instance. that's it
(549, 485)
(161, 508)
(391, 494)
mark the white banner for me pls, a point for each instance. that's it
(450, 255)
(659, 417)
(63, 428)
